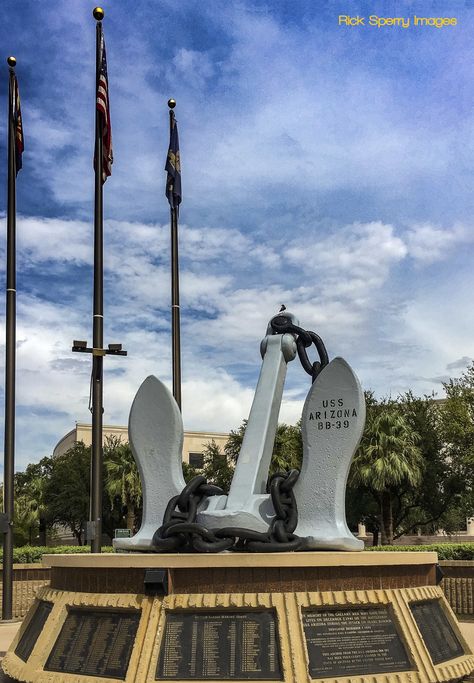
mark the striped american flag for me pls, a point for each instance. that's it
(104, 110)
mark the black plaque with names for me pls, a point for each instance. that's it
(30, 636)
(217, 645)
(95, 643)
(346, 642)
(436, 631)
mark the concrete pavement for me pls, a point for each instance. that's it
(7, 633)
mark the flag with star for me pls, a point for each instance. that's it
(104, 110)
(17, 122)
(173, 167)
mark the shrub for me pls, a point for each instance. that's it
(446, 551)
(29, 554)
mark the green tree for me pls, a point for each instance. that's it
(234, 442)
(67, 490)
(189, 471)
(122, 479)
(388, 457)
(25, 525)
(456, 419)
(444, 497)
(287, 449)
(435, 502)
(219, 464)
(30, 522)
(218, 467)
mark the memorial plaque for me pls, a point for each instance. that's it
(436, 631)
(95, 643)
(217, 646)
(30, 636)
(347, 642)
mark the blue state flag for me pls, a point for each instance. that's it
(173, 168)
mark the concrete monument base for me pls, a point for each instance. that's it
(296, 617)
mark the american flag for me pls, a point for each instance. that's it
(17, 124)
(103, 109)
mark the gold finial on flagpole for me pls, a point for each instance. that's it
(11, 61)
(171, 103)
(98, 13)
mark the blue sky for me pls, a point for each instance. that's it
(326, 167)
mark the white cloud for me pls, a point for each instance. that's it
(319, 171)
(52, 134)
(193, 66)
(53, 239)
(428, 243)
(352, 249)
(338, 286)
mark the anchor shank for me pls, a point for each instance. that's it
(252, 467)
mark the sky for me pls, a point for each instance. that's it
(325, 166)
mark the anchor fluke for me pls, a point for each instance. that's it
(332, 424)
(156, 438)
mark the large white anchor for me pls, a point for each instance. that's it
(332, 424)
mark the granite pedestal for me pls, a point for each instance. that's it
(293, 617)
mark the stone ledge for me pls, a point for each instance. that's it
(215, 560)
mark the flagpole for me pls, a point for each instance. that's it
(103, 144)
(10, 361)
(98, 318)
(175, 308)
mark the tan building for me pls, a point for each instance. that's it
(193, 445)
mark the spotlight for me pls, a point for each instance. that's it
(156, 582)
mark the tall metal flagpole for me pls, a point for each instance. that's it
(10, 360)
(102, 171)
(98, 318)
(175, 308)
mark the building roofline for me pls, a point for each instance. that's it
(189, 432)
(63, 438)
(206, 436)
(89, 424)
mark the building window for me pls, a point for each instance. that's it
(196, 460)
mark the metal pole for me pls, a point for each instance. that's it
(175, 311)
(10, 363)
(98, 328)
(173, 193)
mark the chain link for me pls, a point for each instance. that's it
(181, 533)
(281, 325)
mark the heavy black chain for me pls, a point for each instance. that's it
(281, 324)
(181, 533)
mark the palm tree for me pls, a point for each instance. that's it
(26, 520)
(287, 448)
(218, 468)
(388, 456)
(30, 490)
(122, 480)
